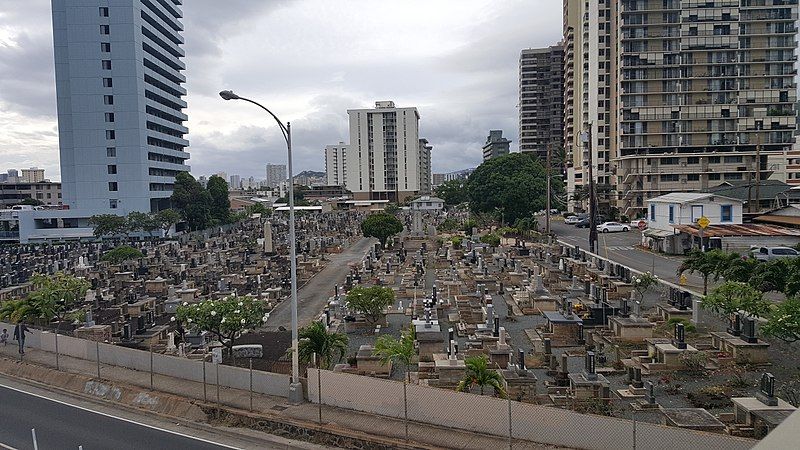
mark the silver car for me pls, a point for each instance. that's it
(613, 227)
(771, 253)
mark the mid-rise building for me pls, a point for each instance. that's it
(383, 155)
(541, 99)
(496, 145)
(47, 192)
(276, 174)
(425, 167)
(32, 175)
(235, 182)
(119, 90)
(438, 179)
(335, 164)
(707, 94)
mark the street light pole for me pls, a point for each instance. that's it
(295, 388)
(592, 193)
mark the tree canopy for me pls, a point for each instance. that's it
(515, 183)
(108, 225)
(53, 296)
(784, 323)
(220, 203)
(225, 318)
(121, 253)
(370, 301)
(381, 226)
(479, 374)
(398, 351)
(192, 201)
(733, 296)
(315, 339)
(453, 192)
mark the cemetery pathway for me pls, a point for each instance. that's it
(62, 425)
(313, 297)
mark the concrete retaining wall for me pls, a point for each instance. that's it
(182, 368)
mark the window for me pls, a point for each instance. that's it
(109, 117)
(713, 176)
(105, 47)
(669, 177)
(111, 134)
(733, 176)
(106, 64)
(112, 169)
(713, 160)
(111, 152)
(105, 29)
(693, 177)
(671, 213)
(108, 99)
(726, 213)
(733, 160)
(653, 213)
(107, 82)
(112, 186)
(104, 11)
(112, 203)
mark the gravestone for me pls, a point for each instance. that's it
(680, 336)
(766, 393)
(749, 332)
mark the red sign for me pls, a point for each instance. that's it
(642, 225)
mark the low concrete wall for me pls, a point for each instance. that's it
(489, 415)
(182, 368)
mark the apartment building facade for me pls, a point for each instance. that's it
(335, 164)
(496, 145)
(119, 80)
(383, 157)
(541, 99)
(276, 174)
(707, 92)
(425, 175)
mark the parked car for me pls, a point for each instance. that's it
(571, 220)
(771, 253)
(635, 224)
(583, 223)
(612, 227)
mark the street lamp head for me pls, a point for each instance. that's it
(228, 95)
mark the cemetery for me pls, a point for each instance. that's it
(538, 322)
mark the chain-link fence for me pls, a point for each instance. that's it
(518, 422)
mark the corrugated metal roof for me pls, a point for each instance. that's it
(746, 229)
(687, 197)
(773, 218)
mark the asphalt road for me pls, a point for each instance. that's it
(60, 425)
(621, 248)
(313, 297)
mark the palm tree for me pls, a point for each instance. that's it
(17, 310)
(706, 264)
(398, 351)
(479, 374)
(316, 339)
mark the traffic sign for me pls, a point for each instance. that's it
(642, 225)
(703, 222)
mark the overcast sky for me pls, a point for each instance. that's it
(308, 61)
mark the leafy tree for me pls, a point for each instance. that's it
(642, 283)
(456, 241)
(771, 275)
(258, 208)
(18, 310)
(392, 208)
(468, 225)
(226, 318)
(479, 374)
(54, 296)
(122, 253)
(704, 263)
(491, 239)
(381, 226)
(370, 301)
(739, 269)
(316, 339)
(139, 221)
(31, 202)
(220, 203)
(166, 218)
(734, 296)
(448, 225)
(784, 323)
(192, 201)
(108, 225)
(453, 192)
(398, 351)
(515, 183)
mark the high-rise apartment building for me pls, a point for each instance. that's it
(425, 167)
(383, 154)
(235, 182)
(32, 175)
(496, 145)
(276, 174)
(707, 93)
(589, 96)
(541, 99)
(119, 79)
(335, 164)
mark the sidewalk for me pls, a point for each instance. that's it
(332, 418)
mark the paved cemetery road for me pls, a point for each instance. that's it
(61, 425)
(313, 297)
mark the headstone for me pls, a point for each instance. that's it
(736, 325)
(548, 346)
(589, 366)
(521, 359)
(749, 332)
(766, 394)
(651, 393)
(680, 336)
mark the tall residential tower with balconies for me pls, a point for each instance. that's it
(707, 94)
(120, 102)
(541, 99)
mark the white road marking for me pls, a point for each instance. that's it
(6, 447)
(194, 438)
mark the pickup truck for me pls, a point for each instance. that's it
(771, 253)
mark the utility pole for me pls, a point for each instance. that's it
(549, 193)
(592, 194)
(758, 172)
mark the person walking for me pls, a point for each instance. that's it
(4, 337)
(19, 336)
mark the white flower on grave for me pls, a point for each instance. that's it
(185, 303)
(223, 320)
(172, 319)
(213, 313)
(189, 320)
(236, 312)
(265, 318)
(241, 303)
(242, 321)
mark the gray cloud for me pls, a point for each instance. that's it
(310, 60)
